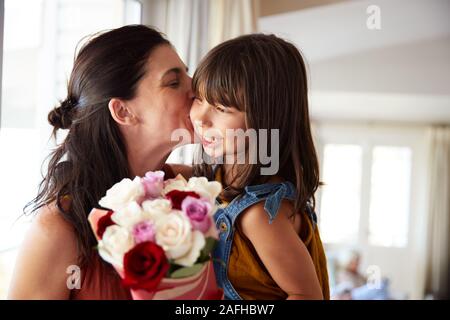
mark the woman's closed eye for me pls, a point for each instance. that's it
(174, 84)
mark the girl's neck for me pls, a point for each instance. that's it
(230, 175)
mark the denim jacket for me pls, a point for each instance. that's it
(272, 194)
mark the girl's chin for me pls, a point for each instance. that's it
(213, 153)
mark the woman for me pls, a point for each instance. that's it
(127, 92)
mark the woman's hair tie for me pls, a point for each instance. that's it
(61, 117)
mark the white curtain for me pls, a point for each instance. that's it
(232, 18)
(437, 277)
(194, 27)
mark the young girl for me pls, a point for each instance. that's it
(269, 240)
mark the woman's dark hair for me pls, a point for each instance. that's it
(265, 77)
(93, 157)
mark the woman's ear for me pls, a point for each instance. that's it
(121, 113)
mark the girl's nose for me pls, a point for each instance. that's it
(202, 115)
(203, 121)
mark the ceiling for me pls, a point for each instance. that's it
(271, 7)
(398, 73)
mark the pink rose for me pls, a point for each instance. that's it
(197, 210)
(153, 184)
(144, 231)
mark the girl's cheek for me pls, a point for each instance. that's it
(193, 113)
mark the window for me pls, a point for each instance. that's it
(22, 41)
(340, 202)
(366, 195)
(389, 196)
(40, 37)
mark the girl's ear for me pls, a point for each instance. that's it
(121, 113)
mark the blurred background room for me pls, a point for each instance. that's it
(379, 100)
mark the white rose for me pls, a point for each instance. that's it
(122, 193)
(174, 235)
(156, 208)
(128, 215)
(116, 241)
(198, 242)
(205, 188)
(174, 184)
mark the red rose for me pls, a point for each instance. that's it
(176, 197)
(144, 266)
(103, 223)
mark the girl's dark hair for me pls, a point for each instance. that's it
(93, 156)
(265, 77)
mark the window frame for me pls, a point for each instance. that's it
(2, 19)
(369, 135)
(414, 255)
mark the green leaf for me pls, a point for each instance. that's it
(186, 271)
(210, 244)
(172, 268)
(207, 249)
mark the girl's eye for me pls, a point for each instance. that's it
(221, 109)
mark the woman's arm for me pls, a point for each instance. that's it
(282, 251)
(50, 247)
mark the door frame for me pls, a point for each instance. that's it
(367, 135)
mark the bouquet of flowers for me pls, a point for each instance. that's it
(158, 235)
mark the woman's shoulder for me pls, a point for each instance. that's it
(49, 248)
(54, 235)
(48, 220)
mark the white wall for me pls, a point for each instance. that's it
(2, 15)
(340, 29)
(400, 73)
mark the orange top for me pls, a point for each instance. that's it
(250, 277)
